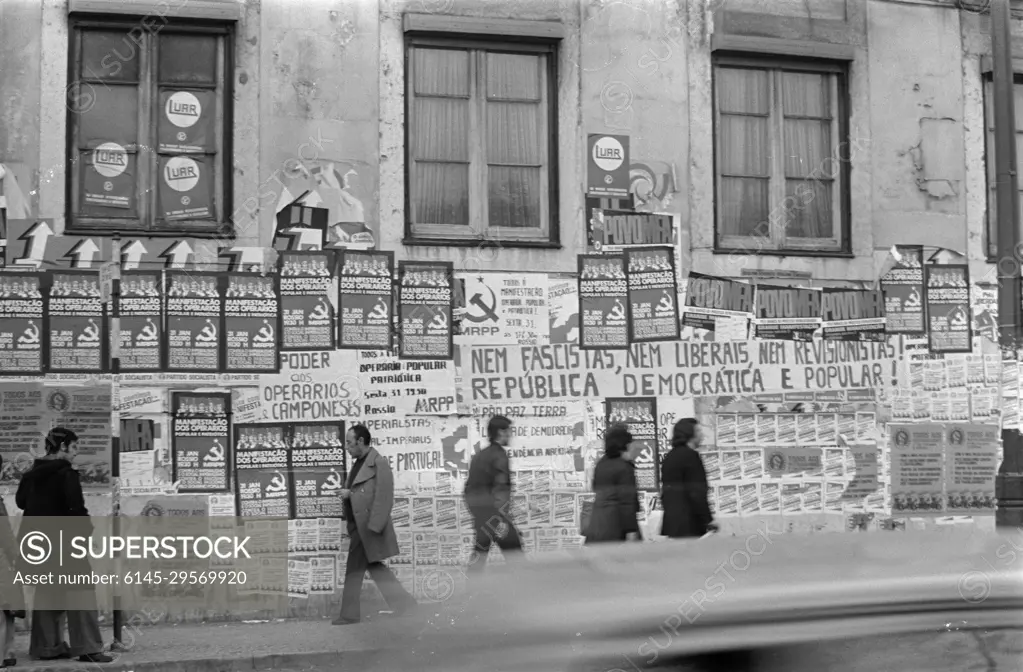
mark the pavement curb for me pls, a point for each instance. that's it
(335, 660)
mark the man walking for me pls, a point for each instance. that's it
(368, 499)
(684, 485)
(488, 495)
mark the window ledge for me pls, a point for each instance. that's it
(470, 25)
(480, 242)
(108, 232)
(832, 254)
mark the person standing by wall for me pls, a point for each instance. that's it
(615, 515)
(368, 500)
(12, 597)
(488, 496)
(52, 489)
(684, 485)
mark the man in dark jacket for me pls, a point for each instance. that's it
(51, 491)
(684, 485)
(488, 495)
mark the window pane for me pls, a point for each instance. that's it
(441, 193)
(808, 148)
(744, 207)
(513, 133)
(113, 116)
(188, 59)
(514, 197)
(440, 129)
(809, 208)
(745, 146)
(440, 72)
(109, 55)
(806, 95)
(743, 91)
(514, 76)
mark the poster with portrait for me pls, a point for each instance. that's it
(787, 313)
(905, 293)
(77, 332)
(261, 446)
(639, 414)
(252, 324)
(194, 308)
(139, 306)
(22, 324)
(949, 315)
(425, 306)
(603, 297)
(200, 441)
(307, 313)
(365, 300)
(653, 294)
(318, 465)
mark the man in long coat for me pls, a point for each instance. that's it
(684, 486)
(368, 499)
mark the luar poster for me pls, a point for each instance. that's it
(318, 469)
(261, 458)
(905, 293)
(200, 441)
(139, 306)
(194, 308)
(709, 298)
(640, 416)
(307, 313)
(22, 324)
(854, 315)
(787, 313)
(186, 187)
(77, 328)
(425, 305)
(186, 121)
(603, 296)
(365, 300)
(653, 294)
(252, 321)
(949, 329)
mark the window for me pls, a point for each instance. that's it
(149, 109)
(481, 141)
(989, 157)
(781, 180)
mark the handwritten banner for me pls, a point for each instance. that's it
(682, 369)
(904, 293)
(854, 315)
(949, 328)
(546, 435)
(653, 295)
(709, 298)
(603, 295)
(787, 313)
(312, 386)
(406, 387)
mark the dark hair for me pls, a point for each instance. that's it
(684, 431)
(497, 424)
(617, 440)
(361, 432)
(57, 438)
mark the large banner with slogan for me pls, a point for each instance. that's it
(681, 369)
(312, 386)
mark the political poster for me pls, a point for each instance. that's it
(22, 324)
(318, 469)
(949, 316)
(710, 298)
(138, 305)
(194, 309)
(263, 446)
(853, 315)
(366, 298)
(186, 188)
(425, 306)
(603, 296)
(263, 493)
(77, 332)
(548, 435)
(607, 171)
(679, 369)
(252, 321)
(394, 386)
(108, 181)
(593, 208)
(563, 301)
(971, 467)
(905, 293)
(307, 312)
(613, 231)
(200, 441)
(504, 308)
(787, 313)
(312, 386)
(917, 472)
(653, 294)
(422, 443)
(186, 121)
(640, 416)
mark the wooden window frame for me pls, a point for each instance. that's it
(777, 243)
(990, 197)
(479, 231)
(148, 223)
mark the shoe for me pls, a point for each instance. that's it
(96, 658)
(344, 621)
(59, 656)
(9, 662)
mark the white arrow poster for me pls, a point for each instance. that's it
(505, 309)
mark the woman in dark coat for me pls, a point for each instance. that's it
(615, 515)
(684, 485)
